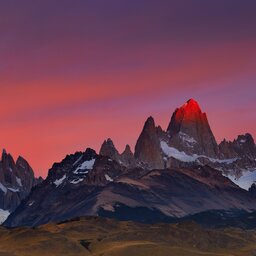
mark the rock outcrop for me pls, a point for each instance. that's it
(108, 149)
(243, 146)
(190, 132)
(126, 158)
(16, 181)
(147, 149)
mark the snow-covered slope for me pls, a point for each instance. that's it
(3, 215)
(246, 180)
(183, 157)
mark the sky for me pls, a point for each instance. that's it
(73, 73)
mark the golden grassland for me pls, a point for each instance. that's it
(105, 237)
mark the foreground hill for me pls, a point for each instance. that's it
(96, 236)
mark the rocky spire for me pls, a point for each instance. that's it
(108, 149)
(147, 149)
(127, 157)
(190, 132)
(16, 180)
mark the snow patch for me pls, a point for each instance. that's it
(31, 203)
(108, 207)
(108, 178)
(19, 181)
(3, 188)
(173, 152)
(76, 181)
(242, 141)
(225, 161)
(87, 165)
(3, 215)
(59, 181)
(182, 156)
(14, 189)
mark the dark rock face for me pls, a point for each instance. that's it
(243, 146)
(252, 190)
(190, 132)
(227, 150)
(16, 181)
(243, 150)
(126, 158)
(108, 149)
(147, 149)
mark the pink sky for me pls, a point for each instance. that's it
(75, 74)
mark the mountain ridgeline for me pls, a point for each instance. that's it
(173, 173)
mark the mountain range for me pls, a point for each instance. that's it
(173, 173)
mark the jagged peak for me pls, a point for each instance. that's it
(225, 141)
(7, 156)
(149, 124)
(150, 121)
(245, 138)
(127, 150)
(21, 159)
(90, 152)
(108, 148)
(187, 113)
(192, 101)
(108, 142)
(191, 106)
(4, 153)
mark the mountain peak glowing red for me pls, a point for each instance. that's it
(189, 112)
(191, 106)
(191, 122)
